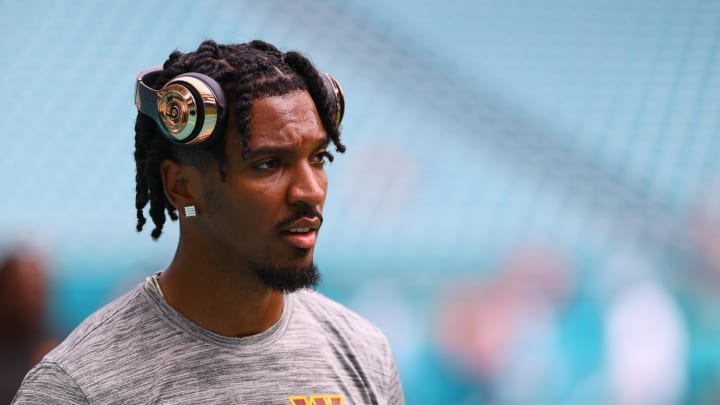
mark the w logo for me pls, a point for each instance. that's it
(317, 400)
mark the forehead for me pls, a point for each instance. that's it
(288, 119)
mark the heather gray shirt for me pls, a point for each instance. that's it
(138, 349)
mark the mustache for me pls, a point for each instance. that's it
(301, 211)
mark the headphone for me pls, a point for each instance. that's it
(191, 108)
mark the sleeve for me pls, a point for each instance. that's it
(393, 387)
(48, 383)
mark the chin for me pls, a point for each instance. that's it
(288, 277)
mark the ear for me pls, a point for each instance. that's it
(181, 183)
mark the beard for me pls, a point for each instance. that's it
(288, 278)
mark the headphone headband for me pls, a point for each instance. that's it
(190, 109)
(145, 96)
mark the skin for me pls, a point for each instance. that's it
(211, 279)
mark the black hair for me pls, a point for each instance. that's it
(246, 72)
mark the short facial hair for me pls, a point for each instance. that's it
(288, 278)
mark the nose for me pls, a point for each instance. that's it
(308, 185)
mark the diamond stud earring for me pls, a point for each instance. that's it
(190, 211)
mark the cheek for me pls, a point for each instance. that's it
(325, 188)
(229, 203)
(259, 205)
(245, 220)
(322, 179)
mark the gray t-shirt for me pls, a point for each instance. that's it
(138, 349)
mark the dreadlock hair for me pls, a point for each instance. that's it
(246, 72)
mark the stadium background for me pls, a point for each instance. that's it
(529, 206)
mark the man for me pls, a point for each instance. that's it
(234, 138)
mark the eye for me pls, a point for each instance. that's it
(322, 157)
(267, 164)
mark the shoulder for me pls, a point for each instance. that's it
(324, 307)
(100, 334)
(337, 318)
(356, 342)
(49, 383)
(109, 343)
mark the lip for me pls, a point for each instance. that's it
(302, 240)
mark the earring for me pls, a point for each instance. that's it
(190, 211)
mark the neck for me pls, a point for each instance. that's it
(219, 294)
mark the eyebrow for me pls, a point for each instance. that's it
(281, 149)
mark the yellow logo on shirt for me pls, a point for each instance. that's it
(317, 400)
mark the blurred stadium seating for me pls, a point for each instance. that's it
(483, 137)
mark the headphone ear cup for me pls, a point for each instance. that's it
(336, 94)
(191, 109)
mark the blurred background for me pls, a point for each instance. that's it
(529, 206)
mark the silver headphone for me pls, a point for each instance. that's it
(191, 110)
